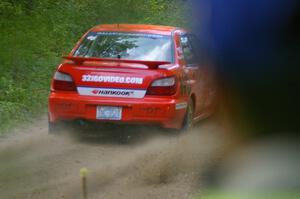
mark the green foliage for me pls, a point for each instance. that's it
(35, 33)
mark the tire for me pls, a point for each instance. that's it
(56, 127)
(53, 127)
(188, 118)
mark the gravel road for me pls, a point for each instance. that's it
(151, 164)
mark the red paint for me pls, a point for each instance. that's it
(191, 84)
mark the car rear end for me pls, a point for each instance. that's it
(118, 77)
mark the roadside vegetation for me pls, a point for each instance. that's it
(35, 33)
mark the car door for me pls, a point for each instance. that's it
(207, 81)
(193, 74)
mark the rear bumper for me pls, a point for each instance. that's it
(149, 110)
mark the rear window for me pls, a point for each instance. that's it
(132, 46)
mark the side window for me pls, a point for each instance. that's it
(187, 49)
(203, 56)
(195, 44)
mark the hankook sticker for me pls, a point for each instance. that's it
(111, 92)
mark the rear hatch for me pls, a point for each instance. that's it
(108, 63)
(111, 77)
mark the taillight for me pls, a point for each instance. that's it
(163, 86)
(63, 82)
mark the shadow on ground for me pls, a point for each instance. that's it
(95, 133)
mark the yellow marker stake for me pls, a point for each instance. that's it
(83, 174)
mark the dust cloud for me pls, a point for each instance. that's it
(150, 164)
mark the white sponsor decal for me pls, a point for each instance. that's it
(92, 38)
(112, 79)
(111, 92)
(181, 105)
(133, 34)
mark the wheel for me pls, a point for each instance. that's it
(188, 118)
(56, 127)
(52, 127)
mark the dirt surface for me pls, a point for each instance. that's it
(150, 164)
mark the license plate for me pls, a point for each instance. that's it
(109, 113)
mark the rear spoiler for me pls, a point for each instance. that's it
(150, 64)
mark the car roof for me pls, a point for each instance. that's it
(141, 28)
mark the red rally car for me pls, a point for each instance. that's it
(143, 74)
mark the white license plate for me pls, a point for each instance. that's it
(109, 113)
